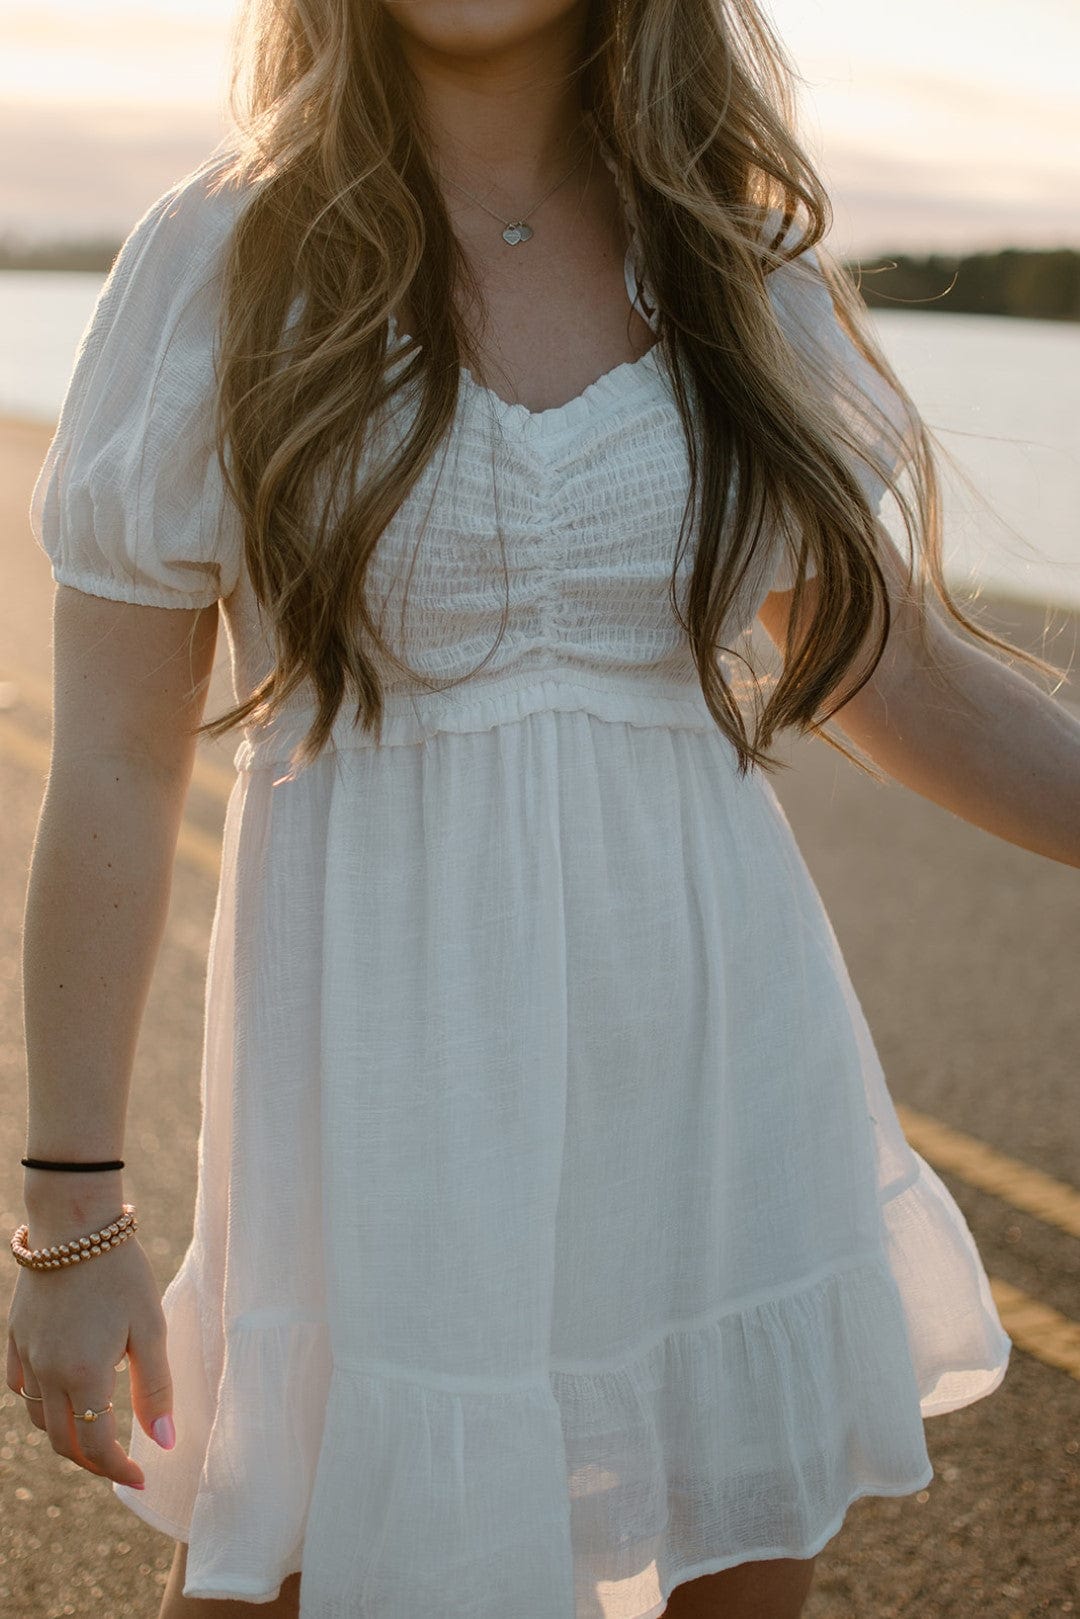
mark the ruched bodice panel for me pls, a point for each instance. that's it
(576, 543)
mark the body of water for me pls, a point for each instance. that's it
(1001, 395)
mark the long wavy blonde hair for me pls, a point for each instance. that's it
(695, 100)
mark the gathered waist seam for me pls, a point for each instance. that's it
(503, 702)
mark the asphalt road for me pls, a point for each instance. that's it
(965, 953)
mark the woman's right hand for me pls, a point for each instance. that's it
(68, 1330)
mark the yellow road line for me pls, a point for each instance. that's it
(1037, 1329)
(213, 779)
(199, 849)
(988, 1170)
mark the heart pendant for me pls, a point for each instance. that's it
(517, 233)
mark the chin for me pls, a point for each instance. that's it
(476, 27)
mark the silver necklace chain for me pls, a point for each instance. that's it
(516, 230)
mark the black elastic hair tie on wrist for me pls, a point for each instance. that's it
(45, 1163)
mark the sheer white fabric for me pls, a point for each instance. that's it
(556, 1240)
(129, 500)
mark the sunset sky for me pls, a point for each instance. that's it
(936, 127)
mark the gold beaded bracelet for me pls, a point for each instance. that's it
(79, 1248)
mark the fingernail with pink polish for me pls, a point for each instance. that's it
(164, 1432)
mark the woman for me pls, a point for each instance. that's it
(557, 1250)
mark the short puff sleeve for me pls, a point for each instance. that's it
(805, 310)
(129, 502)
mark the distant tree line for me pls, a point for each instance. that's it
(89, 253)
(1040, 284)
(1043, 285)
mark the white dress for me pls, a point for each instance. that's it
(556, 1239)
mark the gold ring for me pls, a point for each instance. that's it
(91, 1416)
(30, 1396)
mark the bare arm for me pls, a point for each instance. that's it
(129, 682)
(1001, 754)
